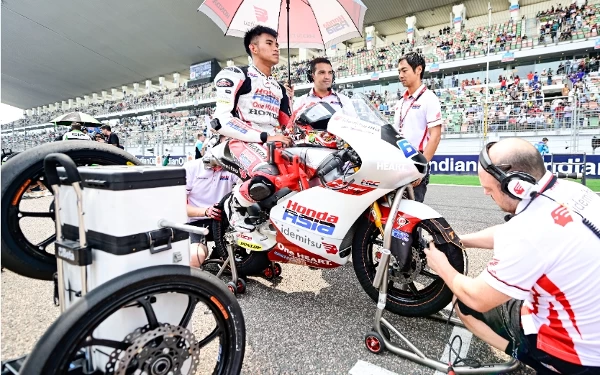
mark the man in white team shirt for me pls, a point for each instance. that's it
(418, 115)
(205, 188)
(322, 77)
(538, 299)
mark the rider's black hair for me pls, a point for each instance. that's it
(318, 60)
(414, 59)
(255, 32)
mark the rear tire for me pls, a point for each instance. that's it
(248, 263)
(18, 254)
(428, 301)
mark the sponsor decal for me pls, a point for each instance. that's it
(261, 14)
(224, 178)
(224, 82)
(177, 257)
(335, 25)
(237, 127)
(401, 221)
(308, 218)
(370, 183)
(260, 112)
(403, 236)
(268, 107)
(258, 150)
(301, 238)
(330, 248)
(249, 245)
(246, 159)
(349, 187)
(561, 216)
(416, 106)
(407, 149)
(266, 96)
(253, 75)
(66, 254)
(228, 91)
(244, 236)
(518, 189)
(295, 255)
(221, 8)
(385, 166)
(234, 69)
(303, 36)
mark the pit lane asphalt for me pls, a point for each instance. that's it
(306, 322)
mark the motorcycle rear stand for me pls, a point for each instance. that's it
(413, 353)
(237, 284)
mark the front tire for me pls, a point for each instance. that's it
(410, 302)
(74, 330)
(21, 171)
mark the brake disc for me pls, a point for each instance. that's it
(417, 265)
(161, 351)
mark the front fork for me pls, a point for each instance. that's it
(376, 211)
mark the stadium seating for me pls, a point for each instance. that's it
(462, 101)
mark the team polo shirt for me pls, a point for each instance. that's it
(339, 102)
(548, 258)
(205, 186)
(415, 115)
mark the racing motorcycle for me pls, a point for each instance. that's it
(338, 185)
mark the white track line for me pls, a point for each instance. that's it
(366, 368)
(465, 336)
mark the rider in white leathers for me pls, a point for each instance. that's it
(250, 105)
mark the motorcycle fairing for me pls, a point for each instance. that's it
(322, 216)
(288, 252)
(384, 164)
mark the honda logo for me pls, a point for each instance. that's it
(261, 14)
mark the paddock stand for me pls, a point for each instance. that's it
(237, 284)
(381, 338)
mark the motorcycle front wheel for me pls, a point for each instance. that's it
(157, 347)
(420, 294)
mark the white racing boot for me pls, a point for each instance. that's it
(236, 210)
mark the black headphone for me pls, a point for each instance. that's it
(515, 184)
(313, 65)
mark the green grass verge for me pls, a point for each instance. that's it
(593, 184)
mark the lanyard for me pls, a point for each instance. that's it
(410, 106)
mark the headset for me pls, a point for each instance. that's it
(517, 185)
(312, 65)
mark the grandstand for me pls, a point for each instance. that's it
(543, 80)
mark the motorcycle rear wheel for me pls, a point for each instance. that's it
(19, 254)
(412, 302)
(248, 263)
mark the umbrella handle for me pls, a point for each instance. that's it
(287, 2)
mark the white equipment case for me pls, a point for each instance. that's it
(111, 223)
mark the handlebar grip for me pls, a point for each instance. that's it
(51, 161)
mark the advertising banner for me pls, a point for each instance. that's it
(456, 164)
(468, 165)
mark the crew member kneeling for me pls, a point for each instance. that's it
(538, 298)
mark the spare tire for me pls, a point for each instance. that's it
(18, 253)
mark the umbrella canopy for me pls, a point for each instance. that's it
(82, 118)
(313, 24)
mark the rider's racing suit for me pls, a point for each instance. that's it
(249, 107)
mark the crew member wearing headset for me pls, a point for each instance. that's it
(538, 298)
(322, 76)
